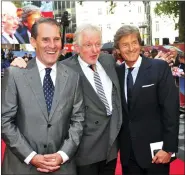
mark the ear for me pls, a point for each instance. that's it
(76, 48)
(33, 42)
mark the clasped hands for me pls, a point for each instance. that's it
(47, 163)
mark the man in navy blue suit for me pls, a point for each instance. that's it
(150, 107)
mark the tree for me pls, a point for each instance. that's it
(175, 9)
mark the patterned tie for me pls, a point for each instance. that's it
(130, 85)
(48, 89)
(99, 88)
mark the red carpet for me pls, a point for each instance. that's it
(176, 168)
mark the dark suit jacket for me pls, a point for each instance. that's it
(99, 141)
(26, 125)
(154, 114)
(18, 37)
(22, 30)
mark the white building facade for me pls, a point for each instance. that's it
(125, 12)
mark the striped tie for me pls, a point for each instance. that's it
(100, 90)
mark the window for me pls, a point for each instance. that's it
(99, 11)
(157, 26)
(139, 9)
(108, 26)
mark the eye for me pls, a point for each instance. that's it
(45, 39)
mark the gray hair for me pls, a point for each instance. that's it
(85, 28)
(124, 31)
(29, 10)
(8, 8)
(51, 21)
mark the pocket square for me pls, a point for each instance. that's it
(148, 85)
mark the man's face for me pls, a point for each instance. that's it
(47, 44)
(10, 23)
(173, 52)
(89, 48)
(31, 20)
(129, 48)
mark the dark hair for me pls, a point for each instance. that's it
(34, 29)
(124, 31)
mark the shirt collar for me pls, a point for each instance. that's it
(42, 67)
(83, 63)
(136, 64)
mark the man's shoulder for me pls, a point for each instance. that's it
(66, 66)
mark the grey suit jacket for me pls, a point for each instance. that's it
(26, 126)
(99, 141)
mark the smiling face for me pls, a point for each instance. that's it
(47, 43)
(31, 20)
(129, 48)
(89, 46)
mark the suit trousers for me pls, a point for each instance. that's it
(99, 168)
(133, 168)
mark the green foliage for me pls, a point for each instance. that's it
(169, 8)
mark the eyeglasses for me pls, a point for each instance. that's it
(90, 46)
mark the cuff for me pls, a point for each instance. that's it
(64, 156)
(28, 159)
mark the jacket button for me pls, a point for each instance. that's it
(96, 122)
(86, 107)
(45, 146)
(49, 125)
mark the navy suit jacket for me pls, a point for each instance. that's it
(154, 114)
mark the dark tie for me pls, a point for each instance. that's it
(48, 89)
(100, 90)
(129, 86)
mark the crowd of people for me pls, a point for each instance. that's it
(73, 116)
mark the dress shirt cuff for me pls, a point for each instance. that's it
(64, 156)
(28, 159)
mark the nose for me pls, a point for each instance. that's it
(131, 47)
(52, 44)
(94, 49)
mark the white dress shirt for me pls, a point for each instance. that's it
(134, 73)
(12, 40)
(106, 82)
(41, 68)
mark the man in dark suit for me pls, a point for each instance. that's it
(42, 109)
(150, 107)
(98, 149)
(30, 13)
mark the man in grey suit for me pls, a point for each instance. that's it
(42, 109)
(98, 149)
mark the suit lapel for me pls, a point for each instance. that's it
(87, 87)
(141, 76)
(108, 69)
(122, 84)
(33, 77)
(61, 80)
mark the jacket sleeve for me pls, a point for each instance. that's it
(77, 119)
(11, 134)
(169, 103)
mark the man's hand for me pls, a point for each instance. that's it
(42, 165)
(161, 157)
(19, 62)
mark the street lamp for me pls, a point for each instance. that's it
(65, 20)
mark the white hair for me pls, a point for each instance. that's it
(8, 8)
(85, 28)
